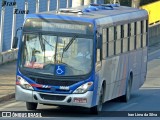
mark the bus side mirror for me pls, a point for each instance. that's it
(15, 42)
(15, 39)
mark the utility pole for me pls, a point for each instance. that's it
(58, 4)
(87, 2)
(68, 1)
(48, 5)
(13, 24)
(77, 3)
(25, 7)
(37, 6)
(2, 26)
(135, 3)
(95, 1)
(114, 1)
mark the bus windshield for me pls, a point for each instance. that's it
(41, 53)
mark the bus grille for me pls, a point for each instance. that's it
(52, 97)
(53, 82)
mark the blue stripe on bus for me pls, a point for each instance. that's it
(61, 17)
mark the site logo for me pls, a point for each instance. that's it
(5, 3)
(19, 11)
(16, 11)
(21, 114)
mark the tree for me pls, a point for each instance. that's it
(143, 2)
(122, 2)
(135, 3)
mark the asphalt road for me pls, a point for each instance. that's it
(145, 100)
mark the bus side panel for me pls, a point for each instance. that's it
(108, 73)
(143, 66)
(135, 68)
(115, 72)
(132, 68)
(139, 55)
(122, 74)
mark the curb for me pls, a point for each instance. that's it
(7, 97)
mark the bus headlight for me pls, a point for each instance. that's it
(83, 88)
(24, 84)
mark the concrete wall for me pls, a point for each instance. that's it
(8, 56)
(154, 34)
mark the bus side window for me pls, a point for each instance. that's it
(104, 43)
(111, 41)
(147, 32)
(138, 35)
(144, 32)
(118, 40)
(125, 39)
(132, 37)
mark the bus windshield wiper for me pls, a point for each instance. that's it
(45, 41)
(41, 42)
(48, 42)
(68, 45)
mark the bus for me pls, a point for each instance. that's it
(81, 56)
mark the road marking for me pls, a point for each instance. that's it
(144, 88)
(128, 106)
(154, 52)
(10, 105)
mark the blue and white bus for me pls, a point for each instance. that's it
(82, 57)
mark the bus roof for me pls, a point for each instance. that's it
(110, 15)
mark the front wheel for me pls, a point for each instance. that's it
(31, 106)
(98, 108)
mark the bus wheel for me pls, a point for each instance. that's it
(31, 106)
(127, 96)
(98, 108)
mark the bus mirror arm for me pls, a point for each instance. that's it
(15, 39)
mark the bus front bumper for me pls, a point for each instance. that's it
(83, 100)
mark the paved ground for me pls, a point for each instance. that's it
(7, 80)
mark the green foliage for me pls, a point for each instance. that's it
(144, 2)
(106, 1)
(126, 2)
(123, 2)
